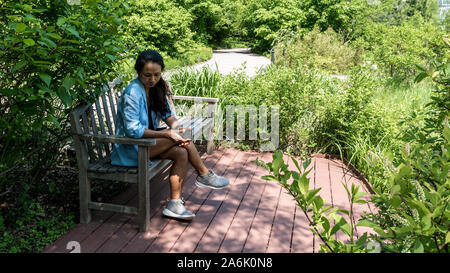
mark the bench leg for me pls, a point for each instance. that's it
(143, 190)
(210, 147)
(85, 198)
(210, 141)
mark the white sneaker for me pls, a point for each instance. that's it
(175, 209)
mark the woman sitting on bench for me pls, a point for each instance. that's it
(142, 106)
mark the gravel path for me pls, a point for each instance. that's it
(227, 60)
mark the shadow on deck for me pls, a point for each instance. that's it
(251, 215)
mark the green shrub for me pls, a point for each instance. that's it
(160, 25)
(262, 19)
(413, 207)
(316, 50)
(53, 55)
(192, 56)
(211, 22)
(396, 49)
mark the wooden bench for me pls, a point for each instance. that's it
(92, 127)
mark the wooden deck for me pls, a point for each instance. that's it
(251, 215)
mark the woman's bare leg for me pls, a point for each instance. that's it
(178, 171)
(162, 145)
(167, 149)
(195, 159)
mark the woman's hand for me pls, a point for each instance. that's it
(175, 136)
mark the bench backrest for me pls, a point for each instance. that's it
(96, 118)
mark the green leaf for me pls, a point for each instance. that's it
(359, 195)
(420, 77)
(45, 78)
(29, 42)
(447, 238)
(426, 221)
(447, 133)
(344, 211)
(366, 223)
(311, 194)
(54, 36)
(295, 175)
(325, 225)
(404, 170)
(306, 164)
(418, 246)
(277, 162)
(395, 189)
(318, 202)
(21, 27)
(64, 96)
(72, 30)
(61, 21)
(396, 201)
(361, 240)
(28, 91)
(269, 177)
(19, 65)
(46, 89)
(296, 164)
(68, 83)
(27, 7)
(111, 57)
(304, 184)
(7, 92)
(49, 42)
(341, 224)
(421, 68)
(55, 121)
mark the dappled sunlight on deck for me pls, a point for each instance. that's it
(251, 215)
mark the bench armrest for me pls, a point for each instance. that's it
(119, 139)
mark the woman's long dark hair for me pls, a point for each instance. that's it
(158, 92)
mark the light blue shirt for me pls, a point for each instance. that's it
(132, 120)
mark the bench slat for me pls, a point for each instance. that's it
(112, 207)
(107, 115)
(112, 104)
(102, 125)
(95, 132)
(205, 99)
(88, 142)
(120, 139)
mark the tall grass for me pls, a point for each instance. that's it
(361, 119)
(401, 106)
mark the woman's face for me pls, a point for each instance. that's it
(150, 74)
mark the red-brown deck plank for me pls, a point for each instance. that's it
(251, 215)
(281, 235)
(188, 241)
(302, 237)
(213, 237)
(259, 235)
(81, 231)
(140, 242)
(322, 180)
(340, 197)
(237, 232)
(170, 233)
(159, 192)
(358, 209)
